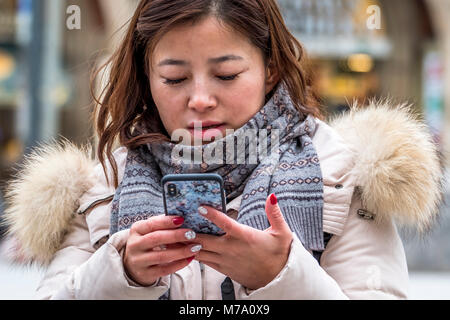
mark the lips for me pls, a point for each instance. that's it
(206, 130)
(205, 124)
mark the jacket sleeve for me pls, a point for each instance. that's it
(82, 270)
(78, 271)
(367, 261)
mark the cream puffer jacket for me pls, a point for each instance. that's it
(380, 169)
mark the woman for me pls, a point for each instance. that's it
(313, 220)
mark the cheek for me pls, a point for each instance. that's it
(168, 106)
(246, 102)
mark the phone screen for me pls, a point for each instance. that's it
(184, 193)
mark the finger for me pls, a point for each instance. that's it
(274, 214)
(208, 256)
(164, 237)
(153, 258)
(169, 246)
(160, 222)
(213, 243)
(167, 269)
(227, 224)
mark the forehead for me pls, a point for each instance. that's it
(205, 39)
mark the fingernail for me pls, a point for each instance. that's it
(273, 199)
(190, 235)
(190, 259)
(196, 248)
(202, 211)
(178, 221)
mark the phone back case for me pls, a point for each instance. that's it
(189, 195)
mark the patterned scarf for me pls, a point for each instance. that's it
(290, 169)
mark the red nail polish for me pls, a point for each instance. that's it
(190, 259)
(178, 221)
(273, 199)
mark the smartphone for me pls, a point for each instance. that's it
(184, 193)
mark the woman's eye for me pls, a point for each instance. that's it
(228, 78)
(175, 81)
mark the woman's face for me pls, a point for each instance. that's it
(209, 76)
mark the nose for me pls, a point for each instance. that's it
(202, 98)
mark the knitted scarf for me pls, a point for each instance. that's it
(291, 170)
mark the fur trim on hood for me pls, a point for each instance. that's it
(397, 169)
(42, 199)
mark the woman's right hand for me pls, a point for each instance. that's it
(156, 248)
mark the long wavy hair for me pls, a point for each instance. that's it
(126, 102)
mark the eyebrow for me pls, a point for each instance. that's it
(174, 62)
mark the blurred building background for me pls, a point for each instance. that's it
(360, 49)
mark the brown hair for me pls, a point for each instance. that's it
(126, 99)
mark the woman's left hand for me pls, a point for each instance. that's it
(249, 256)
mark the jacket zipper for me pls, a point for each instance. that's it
(202, 273)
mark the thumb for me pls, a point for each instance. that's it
(275, 215)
